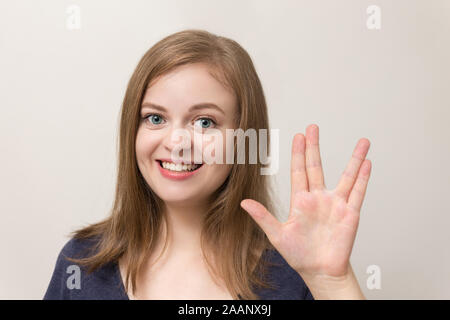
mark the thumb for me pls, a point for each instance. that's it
(268, 223)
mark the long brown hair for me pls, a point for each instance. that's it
(135, 222)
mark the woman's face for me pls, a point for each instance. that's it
(176, 92)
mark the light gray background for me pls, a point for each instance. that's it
(61, 92)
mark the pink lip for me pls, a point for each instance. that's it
(175, 175)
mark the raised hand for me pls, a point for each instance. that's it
(318, 236)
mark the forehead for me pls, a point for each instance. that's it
(188, 85)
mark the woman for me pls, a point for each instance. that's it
(206, 230)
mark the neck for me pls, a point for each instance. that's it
(185, 222)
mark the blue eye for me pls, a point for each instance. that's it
(157, 117)
(205, 121)
(154, 118)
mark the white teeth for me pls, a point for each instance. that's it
(179, 166)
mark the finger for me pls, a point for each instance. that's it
(268, 223)
(348, 177)
(313, 160)
(299, 181)
(359, 189)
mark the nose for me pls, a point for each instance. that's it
(178, 142)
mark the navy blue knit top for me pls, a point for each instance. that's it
(72, 282)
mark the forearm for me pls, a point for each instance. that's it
(330, 288)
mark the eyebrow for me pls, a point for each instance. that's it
(198, 106)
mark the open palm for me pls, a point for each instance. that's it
(318, 236)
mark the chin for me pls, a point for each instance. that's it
(177, 195)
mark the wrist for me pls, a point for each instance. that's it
(323, 287)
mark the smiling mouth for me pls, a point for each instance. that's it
(179, 167)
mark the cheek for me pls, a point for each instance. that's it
(216, 147)
(145, 145)
(216, 176)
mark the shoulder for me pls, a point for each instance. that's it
(288, 284)
(77, 248)
(71, 280)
